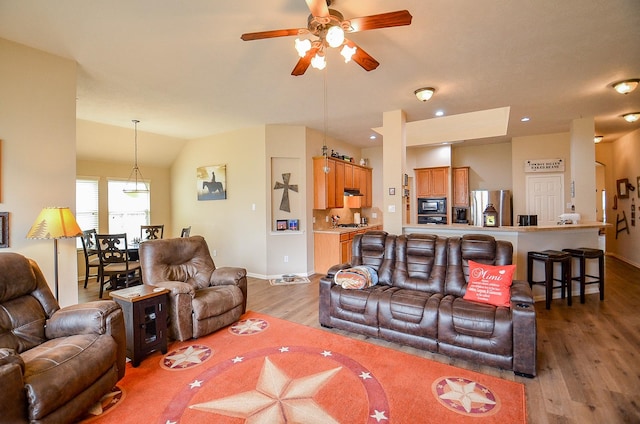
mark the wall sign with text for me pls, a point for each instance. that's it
(544, 165)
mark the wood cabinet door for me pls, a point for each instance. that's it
(348, 175)
(338, 198)
(423, 182)
(439, 182)
(461, 187)
(368, 188)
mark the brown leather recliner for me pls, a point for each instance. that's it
(54, 363)
(202, 298)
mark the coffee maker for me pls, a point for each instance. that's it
(460, 216)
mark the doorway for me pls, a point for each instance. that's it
(545, 197)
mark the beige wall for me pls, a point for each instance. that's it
(489, 165)
(38, 169)
(621, 161)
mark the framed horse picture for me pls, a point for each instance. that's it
(211, 182)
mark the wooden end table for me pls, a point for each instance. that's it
(145, 319)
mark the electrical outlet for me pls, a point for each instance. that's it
(286, 258)
(314, 219)
(215, 252)
(253, 206)
(374, 215)
(326, 218)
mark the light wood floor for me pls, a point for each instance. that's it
(588, 354)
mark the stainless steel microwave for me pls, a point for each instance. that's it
(432, 206)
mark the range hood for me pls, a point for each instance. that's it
(352, 198)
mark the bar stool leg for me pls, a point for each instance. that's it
(601, 270)
(567, 276)
(548, 270)
(583, 279)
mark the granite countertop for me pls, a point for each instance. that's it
(519, 229)
(343, 230)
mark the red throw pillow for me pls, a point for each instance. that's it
(489, 283)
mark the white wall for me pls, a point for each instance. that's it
(38, 169)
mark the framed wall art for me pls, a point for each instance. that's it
(623, 190)
(4, 229)
(281, 224)
(211, 182)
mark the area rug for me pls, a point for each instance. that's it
(266, 370)
(283, 282)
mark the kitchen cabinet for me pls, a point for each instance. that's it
(460, 187)
(432, 182)
(329, 187)
(335, 247)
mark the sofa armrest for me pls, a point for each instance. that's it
(521, 293)
(176, 287)
(13, 404)
(334, 269)
(232, 275)
(84, 318)
(98, 317)
(228, 275)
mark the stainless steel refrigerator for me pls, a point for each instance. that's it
(501, 200)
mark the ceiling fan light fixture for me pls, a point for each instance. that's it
(318, 61)
(348, 52)
(631, 117)
(303, 46)
(626, 86)
(335, 36)
(425, 93)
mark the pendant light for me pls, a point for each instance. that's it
(135, 184)
(325, 168)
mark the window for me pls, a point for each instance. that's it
(127, 212)
(86, 205)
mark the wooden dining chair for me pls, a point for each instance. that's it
(151, 232)
(91, 259)
(185, 231)
(115, 262)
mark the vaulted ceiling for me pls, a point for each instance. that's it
(181, 68)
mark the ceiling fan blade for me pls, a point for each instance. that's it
(318, 7)
(363, 58)
(304, 62)
(249, 36)
(383, 20)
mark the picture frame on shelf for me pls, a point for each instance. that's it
(294, 225)
(4, 229)
(281, 224)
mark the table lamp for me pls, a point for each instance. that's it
(55, 223)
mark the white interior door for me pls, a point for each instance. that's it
(545, 197)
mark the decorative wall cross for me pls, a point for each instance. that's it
(285, 186)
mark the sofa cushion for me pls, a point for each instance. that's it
(421, 262)
(476, 326)
(57, 370)
(409, 311)
(359, 306)
(213, 301)
(22, 323)
(490, 284)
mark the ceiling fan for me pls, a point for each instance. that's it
(329, 26)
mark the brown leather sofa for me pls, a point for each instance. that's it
(418, 300)
(202, 298)
(55, 364)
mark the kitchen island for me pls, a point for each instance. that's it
(526, 239)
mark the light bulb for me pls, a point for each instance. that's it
(348, 52)
(302, 46)
(631, 117)
(318, 61)
(335, 36)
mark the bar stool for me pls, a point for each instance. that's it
(582, 254)
(550, 258)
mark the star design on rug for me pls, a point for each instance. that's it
(326, 353)
(191, 355)
(197, 383)
(237, 359)
(465, 394)
(110, 398)
(277, 398)
(379, 415)
(284, 349)
(365, 375)
(248, 327)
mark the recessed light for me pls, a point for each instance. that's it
(626, 86)
(631, 117)
(525, 119)
(372, 137)
(597, 139)
(440, 113)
